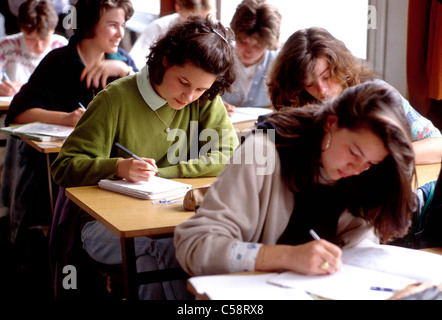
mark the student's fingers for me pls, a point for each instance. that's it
(134, 170)
(329, 257)
(152, 164)
(91, 77)
(73, 117)
(230, 108)
(7, 89)
(4, 90)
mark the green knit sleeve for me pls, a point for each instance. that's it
(84, 157)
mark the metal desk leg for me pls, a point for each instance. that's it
(48, 162)
(129, 268)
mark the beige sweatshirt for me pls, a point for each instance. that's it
(248, 205)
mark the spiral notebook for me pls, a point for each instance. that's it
(155, 188)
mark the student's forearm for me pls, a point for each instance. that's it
(39, 114)
(428, 150)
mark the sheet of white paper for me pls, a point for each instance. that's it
(6, 99)
(416, 264)
(349, 283)
(241, 287)
(369, 265)
(242, 114)
(45, 129)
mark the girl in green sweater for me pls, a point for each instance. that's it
(170, 114)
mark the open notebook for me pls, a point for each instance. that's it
(155, 188)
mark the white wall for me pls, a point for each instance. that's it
(396, 44)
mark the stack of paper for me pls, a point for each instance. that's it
(40, 131)
(155, 188)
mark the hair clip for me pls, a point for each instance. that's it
(220, 35)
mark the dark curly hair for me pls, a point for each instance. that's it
(202, 42)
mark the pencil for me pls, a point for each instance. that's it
(133, 155)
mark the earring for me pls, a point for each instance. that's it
(327, 144)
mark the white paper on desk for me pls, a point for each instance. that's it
(46, 129)
(155, 188)
(349, 283)
(365, 266)
(242, 114)
(420, 265)
(6, 98)
(244, 287)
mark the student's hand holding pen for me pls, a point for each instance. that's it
(134, 170)
(314, 257)
(72, 118)
(230, 108)
(9, 88)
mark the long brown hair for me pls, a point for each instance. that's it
(383, 194)
(296, 62)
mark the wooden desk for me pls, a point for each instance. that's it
(4, 103)
(129, 217)
(243, 128)
(427, 173)
(46, 148)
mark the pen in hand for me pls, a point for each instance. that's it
(383, 289)
(314, 235)
(5, 76)
(133, 155)
(81, 106)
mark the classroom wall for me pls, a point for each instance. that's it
(396, 44)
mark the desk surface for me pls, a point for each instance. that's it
(46, 146)
(4, 103)
(127, 216)
(427, 173)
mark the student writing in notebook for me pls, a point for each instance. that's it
(344, 169)
(171, 115)
(20, 53)
(313, 66)
(256, 24)
(67, 76)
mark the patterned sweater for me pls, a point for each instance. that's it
(16, 58)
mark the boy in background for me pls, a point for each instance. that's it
(21, 53)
